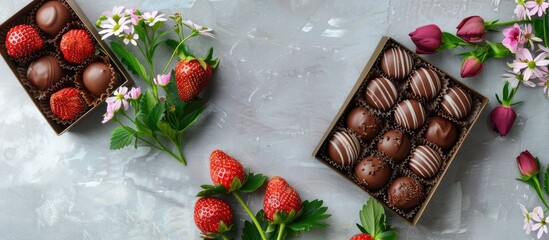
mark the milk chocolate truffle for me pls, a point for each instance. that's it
(441, 132)
(405, 193)
(396, 63)
(425, 162)
(343, 148)
(410, 114)
(457, 103)
(381, 93)
(425, 83)
(44, 72)
(364, 123)
(52, 17)
(97, 77)
(372, 173)
(395, 145)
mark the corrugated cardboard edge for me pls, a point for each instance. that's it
(367, 68)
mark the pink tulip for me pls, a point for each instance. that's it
(472, 29)
(471, 67)
(427, 39)
(527, 164)
(502, 119)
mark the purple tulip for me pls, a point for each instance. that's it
(471, 67)
(472, 29)
(527, 164)
(427, 39)
(502, 119)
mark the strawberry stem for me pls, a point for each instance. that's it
(254, 220)
(281, 231)
(194, 33)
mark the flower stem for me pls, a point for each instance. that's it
(501, 24)
(194, 33)
(545, 38)
(165, 149)
(254, 220)
(537, 186)
(281, 231)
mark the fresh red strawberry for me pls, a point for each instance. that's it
(224, 169)
(23, 40)
(209, 212)
(66, 104)
(77, 46)
(191, 77)
(362, 236)
(280, 196)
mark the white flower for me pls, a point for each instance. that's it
(515, 78)
(112, 27)
(151, 19)
(130, 36)
(119, 99)
(527, 220)
(541, 222)
(204, 31)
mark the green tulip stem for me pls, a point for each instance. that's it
(502, 24)
(535, 183)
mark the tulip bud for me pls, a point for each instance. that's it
(427, 39)
(472, 29)
(471, 67)
(502, 119)
(527, 164)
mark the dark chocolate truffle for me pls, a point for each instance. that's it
(457, 103)
(343, 148)
(395, 145)
(372, 173)
(97, 77)
(425, 83)
(410, 114)
(381, 93)
(425, 162)
(405, 193)
(441, 132)
(364, 123)
(44, 72)
(396, 63)
(52, 17)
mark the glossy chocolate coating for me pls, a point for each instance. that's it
(425, 162)
(52, 17)
(410, 114)
(364, 123)
(44, 72)
(97, 77)
(372, 173)
(405, 193)
(396, 63)
(381, 93)
(395, 145)
(425, 83)
(343, 148)
(441, 132)
(457, 103)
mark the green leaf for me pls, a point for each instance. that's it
(209, 190)
(168, 131)
(154, 117)
(192, 117)
(129, 60)
(142, 128)
(546, 181)
(506, 91)
(497, 50)
(250, 232)
(147, 103)
(450, 41)
(122, 137)
(538, 27)
(235, 184)
(499, 100)
(182, 51)
(252, 182)
(140, 32)
(370, 217)
(387, 235)
(312, 216)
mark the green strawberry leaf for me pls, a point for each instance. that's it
(129, 60)
(182, 51)
(142, 128)
(121, 137)
(168, 131)
(282, 216)
(235, 184)
(192, 117)
(252, 182)
(146, 104)
(362, 230)
(249, 232)
(312, 215)
(387, 235)
(546, 182)
(209, 190)
(371, 215)
(154, 117)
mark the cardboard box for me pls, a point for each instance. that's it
(40, 98)
(372, 70)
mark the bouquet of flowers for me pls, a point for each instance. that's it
(170, 105)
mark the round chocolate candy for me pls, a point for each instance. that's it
(343, 148)
(372, 173)
(97, 77)
(44, 72)
(405, 193)
(381, 93)
(364, 123)
(441, 132)
(396, 63)
(425, 162)
(410, 114)
(395, 145)
(425, 83)
(457, 103)
(52, 17)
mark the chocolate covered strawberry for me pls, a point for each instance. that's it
(210, 213)
(224, 169)
(66, 104)
(280, 196)
(77, 46)
(362, 236)
(23, 40)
